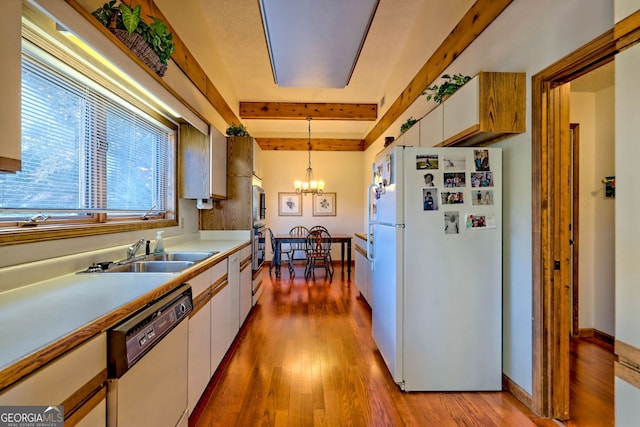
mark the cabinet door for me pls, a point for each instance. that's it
(363, 273)
(218, 165)
(199, 368)
(431, 128)
(257, 285)
(58, 380)
(220, 314)
(245, 289)
(194, 163)
(234, 294)
(412, 136)
(462, 111)
(10, 57)
(96, 417)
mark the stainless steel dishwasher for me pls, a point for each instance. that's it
(147, 364)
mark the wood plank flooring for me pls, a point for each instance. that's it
(306, 358)
(592, 385)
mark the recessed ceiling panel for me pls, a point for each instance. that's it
(315, 43)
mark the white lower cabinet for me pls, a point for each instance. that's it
(205, 345)
(199, 349)
(96, 417)
(220, 337)
(363, 271)
(234, 294)
(245, 284)
(76, 379)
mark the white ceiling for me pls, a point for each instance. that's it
(228, 40)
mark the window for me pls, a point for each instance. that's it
(84, 151)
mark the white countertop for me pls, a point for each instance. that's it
(36, 316)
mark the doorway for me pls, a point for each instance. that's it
(551, 214)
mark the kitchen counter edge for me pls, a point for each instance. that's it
(15, 371)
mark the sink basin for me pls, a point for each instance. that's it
(180, 256)
(151, 267)
(168, 262)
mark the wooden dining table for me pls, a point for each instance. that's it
(343, 239)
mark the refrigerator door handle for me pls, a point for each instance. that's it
(370, 223)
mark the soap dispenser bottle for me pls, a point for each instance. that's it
(159, 249)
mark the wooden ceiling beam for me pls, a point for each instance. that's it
(474, 22)
(302, 111)
(317, 144)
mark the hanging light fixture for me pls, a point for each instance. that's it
(309, 185)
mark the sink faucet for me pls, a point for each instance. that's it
(131, 252)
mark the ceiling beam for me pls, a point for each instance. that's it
(302, 111)
(317, 144)
(476, 20)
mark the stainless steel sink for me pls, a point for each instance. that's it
(168, 262)
(150, 267)
(180, 256)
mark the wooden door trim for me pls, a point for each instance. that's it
(550, 396)
(575, 229)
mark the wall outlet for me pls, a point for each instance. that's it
(182, 223)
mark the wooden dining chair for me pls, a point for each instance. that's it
(318, 250)
(298, 231)
(285, 253)
(323, 228)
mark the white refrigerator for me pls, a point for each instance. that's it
(436, 219)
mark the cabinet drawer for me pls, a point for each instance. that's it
(58, 380)
(245, 253)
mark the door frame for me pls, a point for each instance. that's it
(575, 228)
(551, 196)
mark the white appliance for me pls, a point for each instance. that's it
(436, 219)
(147, 364)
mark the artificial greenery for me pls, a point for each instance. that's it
(407, 125)
(451, 85)
(237, 130)
(128, 18)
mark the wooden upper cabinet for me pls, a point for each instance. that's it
(240, 156)
(218, 165)
(10, 85)
(195, 180)
(489, 107)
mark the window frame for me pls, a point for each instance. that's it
(96, 223)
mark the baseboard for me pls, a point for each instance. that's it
(517, 392)
(599, 337)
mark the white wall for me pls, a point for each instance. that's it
(342, 172)
(527, 37)
(627, 229)
(604, 262)
(595, 114)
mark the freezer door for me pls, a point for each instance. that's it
(453, 276)
(387, 170)
(387, 296)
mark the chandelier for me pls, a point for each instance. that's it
(309, 185)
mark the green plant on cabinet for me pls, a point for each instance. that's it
(407, 125)
(451, 84)
(125, 17)
(237, 130)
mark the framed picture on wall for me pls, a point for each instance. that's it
(289, 204)
(324, 205)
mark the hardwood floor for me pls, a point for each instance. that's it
(306, 358)
(591, 398)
